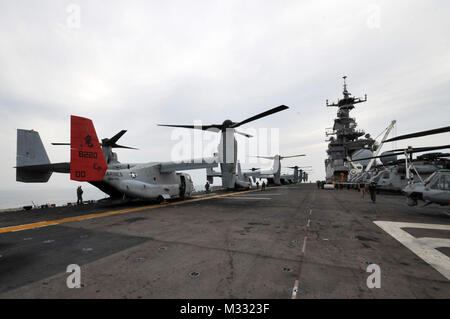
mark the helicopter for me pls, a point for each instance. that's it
(435, 188)
(227, 149)
(95, 163)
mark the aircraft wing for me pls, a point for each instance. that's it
(255, 173)
(209, 162)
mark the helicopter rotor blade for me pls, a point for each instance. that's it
(419, 134)
(261, 115)
(407, 150)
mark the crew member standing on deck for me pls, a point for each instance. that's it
(207, 187)
(79, 195)
(373, 191)
(257, 184)
(362, 189)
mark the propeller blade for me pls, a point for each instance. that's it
(213, 127)
(60, 143)
(245, 134)
(261, 115)
(419, 134)
(265, 157)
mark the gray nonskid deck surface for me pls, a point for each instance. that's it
(245, 246)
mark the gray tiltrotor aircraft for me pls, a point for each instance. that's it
(227, 150)
(273, 175)
(94, 162)
(299, 175)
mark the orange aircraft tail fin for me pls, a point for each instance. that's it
(87, 162)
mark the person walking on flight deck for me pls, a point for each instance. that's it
(79, 195)
(373, 191)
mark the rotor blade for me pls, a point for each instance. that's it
(116, 137)
(213, 127)
(245, 134)
(426, 149)
(419, 134)
(261, 115)
(128, 147)
(282, 157)
(411, 150)
(60, 143)
(265, 157)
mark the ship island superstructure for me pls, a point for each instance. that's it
(345, 140)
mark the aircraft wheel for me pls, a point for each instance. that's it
(411, 201)
(160, 199)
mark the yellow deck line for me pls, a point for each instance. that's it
(110, 213)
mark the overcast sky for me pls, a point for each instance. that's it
(133, 64)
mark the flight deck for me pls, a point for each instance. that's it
(287, 242)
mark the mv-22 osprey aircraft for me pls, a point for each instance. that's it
(232, 177)
(94, 162)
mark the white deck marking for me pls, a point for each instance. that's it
(297, 280)
(424, 247)
(304, 245)
(294, 291)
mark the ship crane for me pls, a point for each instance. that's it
(388, 130)
(357, 167)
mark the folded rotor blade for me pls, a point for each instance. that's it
(419, 134)
(408, 150)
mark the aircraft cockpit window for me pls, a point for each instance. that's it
(430, 178)
(441, 183)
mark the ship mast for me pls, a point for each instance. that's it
(346, 141)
